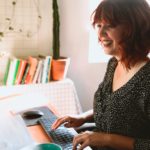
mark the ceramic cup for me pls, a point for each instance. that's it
(45, 146)
(48, 147)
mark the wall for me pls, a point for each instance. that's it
(31, 23)
(74, 37)
(75, 18)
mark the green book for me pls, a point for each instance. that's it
(12, 71)
(17, 62)
(6, 72)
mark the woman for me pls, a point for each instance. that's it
(122, 102)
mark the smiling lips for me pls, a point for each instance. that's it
(106, 42)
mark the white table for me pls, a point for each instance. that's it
(61, 94)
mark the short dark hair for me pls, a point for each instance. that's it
(135, 16)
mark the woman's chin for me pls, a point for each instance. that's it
(107, 51)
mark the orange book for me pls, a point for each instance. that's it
(21, 71)
(33, 64)
(49, 70)
(39, 67)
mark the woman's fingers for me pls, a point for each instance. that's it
(80, 141)
(83, 145)
(57, 123)
(68, 124)
(60, 121)
(76, 141)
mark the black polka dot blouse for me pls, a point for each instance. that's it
(125, 111)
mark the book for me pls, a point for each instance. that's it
(13, 69)
(16, 70)
(21, 71)
(25, 73)
(6, 72)
(33, 64)
(46, 69)
(4, 64)
(39, 80)
(39, 68)
(49, 71)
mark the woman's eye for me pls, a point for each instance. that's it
(109, 26)
(98, 26)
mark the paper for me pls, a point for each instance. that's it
(13, 132)
(22, 102)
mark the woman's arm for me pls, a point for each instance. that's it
(88, 116)
(120, 142)
(115, 141)
(100, 139)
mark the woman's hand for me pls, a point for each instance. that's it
(90, 138)
(69, 121)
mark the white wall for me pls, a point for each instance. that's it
(30, 35)
(75, 18)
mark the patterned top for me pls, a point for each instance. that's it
(125, 111)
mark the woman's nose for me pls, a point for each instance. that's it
(102, 31)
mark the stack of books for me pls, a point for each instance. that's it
(26, 71)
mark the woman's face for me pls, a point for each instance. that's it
(109, 37)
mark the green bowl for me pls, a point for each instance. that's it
(45, 146)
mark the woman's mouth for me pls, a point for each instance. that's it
(106, 43)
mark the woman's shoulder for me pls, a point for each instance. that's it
(146, 69)
(112, 63)
(144, 75)
(112, 60)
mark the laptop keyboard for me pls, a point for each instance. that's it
(61, 136)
